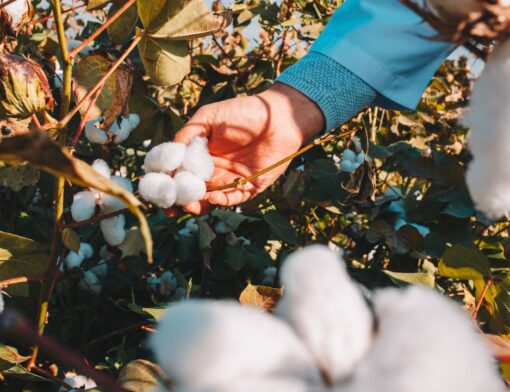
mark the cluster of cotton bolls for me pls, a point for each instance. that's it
(398, 207)
(176, 173)
(322, 338)
(91, 278)
(352, 158)
(118, 132)
(488, 175)
(166, 286)
(85, 204)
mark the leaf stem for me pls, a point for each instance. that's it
(482, 297)
(96, 33)
(231, 60)
(84, 119)
(20, 279)
(242, 181)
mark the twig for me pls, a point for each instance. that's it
(238, 71)
(35, 120)
(113, 334)
(94, 219)
(14, 325)
(105, 25)
(242, 181)
(281, 53)
(482, 297)
(84, 119)
(62, 123)
(47, 18)
(45, 373)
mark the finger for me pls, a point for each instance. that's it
(229, 198)
(197, 126)
(198, 207)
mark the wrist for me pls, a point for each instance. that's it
(293, 112)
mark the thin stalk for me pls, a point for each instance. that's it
(94, 219)
(482, 298)
(242, 181)
(64, 121)
(84, 119)
(96, 33)
(231, 60)
(47, 18)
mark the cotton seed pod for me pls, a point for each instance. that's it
(24, 88)
(14, 16)
(190, 188)
(165, 158)
(158, 188)
(198, 160)
(453, 11)
(95, 134)
(113, 230)
(84, 206)
(102, 168)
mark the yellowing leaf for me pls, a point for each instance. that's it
(114, 97)
(41, 151)
(140, 376)
(154, 13)
(464, 263)
(18, 176)
(97, 4)
(418, 278)
(71, 240)
(134, 244)
(156, 313)
(166, 62)
(262, 297)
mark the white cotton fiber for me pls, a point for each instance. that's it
(77, 381)
(158, 188)
(453, 11)
(102, 168)
(167, 284)
(74, 260)
(488, 176)
(111, 203)
(84, 206)
(198, 160)
(165, 158)
(326, 309)
(190, 188)
(86, 250)
(113, 230)
(260, 385)
(90, 282)
(425, 343)
(349, 155)
(94, 133)
(211, 343)
(122, 131)
(17, 10)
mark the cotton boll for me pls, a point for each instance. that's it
(74, 260)
(111, 203)
(269, 384)
(488, 187)
(347, 166)
(158, 188)
(190, 188)
(425, 343)
(210, 343)
(86, 250)
(453, 11)
(2, 303)
(360, 158)
(102, 168)
(269, 276)
(105, 254)
(127, 125)
(94, 134)
(77, 381)
(167, 284)
(84, 206)
(349, 155)
(113, 230)
(74, 43)
(90, 282)
(198, 160)
(165, 158)
(326, 309)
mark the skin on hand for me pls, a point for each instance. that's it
(248, 134)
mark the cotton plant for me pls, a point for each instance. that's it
(398, 207)
(488, 174)
(176, 174)
(118, 133)
(74, 260)
(323, 337)
(87, 203)
(352, 158)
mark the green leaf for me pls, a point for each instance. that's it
(166, 62)
(418, 278)
(281, 227)
(206, 235)
(148, 111)
(231, 218)
(122, 29)
(464, 263)
(17, 177)
(154, 13)
(156, 313)
(20, 256)
(9, 357)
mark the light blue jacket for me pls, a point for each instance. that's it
(381, 44)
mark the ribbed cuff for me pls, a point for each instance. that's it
(338, 92)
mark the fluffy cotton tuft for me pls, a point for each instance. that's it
(90, 282)
(165, 158)
(84, 206)
(111, 203)
(122, 131)
(425, 343)
(453, 11)
(113, 230)
(95, 134)
(74, 260)
(77, 381)
(326, 309)
(190, 188)
(102, 168)
(158, 188)
(269, 384)
(489, 140)
(198, 160)
(211, 343)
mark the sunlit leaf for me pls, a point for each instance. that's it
(464, 263)
(262, 297)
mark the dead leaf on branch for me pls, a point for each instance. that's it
(18, 176)
(41, 151)
(362, 184)
(114, 97)
(24, 12)
(262, 297)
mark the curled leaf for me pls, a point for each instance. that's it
(24, 88)
(122, 29)
(361, 185)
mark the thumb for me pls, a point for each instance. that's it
(198, 125)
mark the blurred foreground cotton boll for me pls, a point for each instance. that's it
(102, 168)
(425, 343)
(113, 230)
(198, 160)
(190, 188)
(158, 188)
(326, 309)
(207, 344)
(84, 206)
(165, 158)
(269, 384)
(489, 139)
(453, 11)
(74, 260)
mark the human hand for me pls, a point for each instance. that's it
(248, 134)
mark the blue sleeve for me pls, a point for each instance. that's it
(383, 43)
